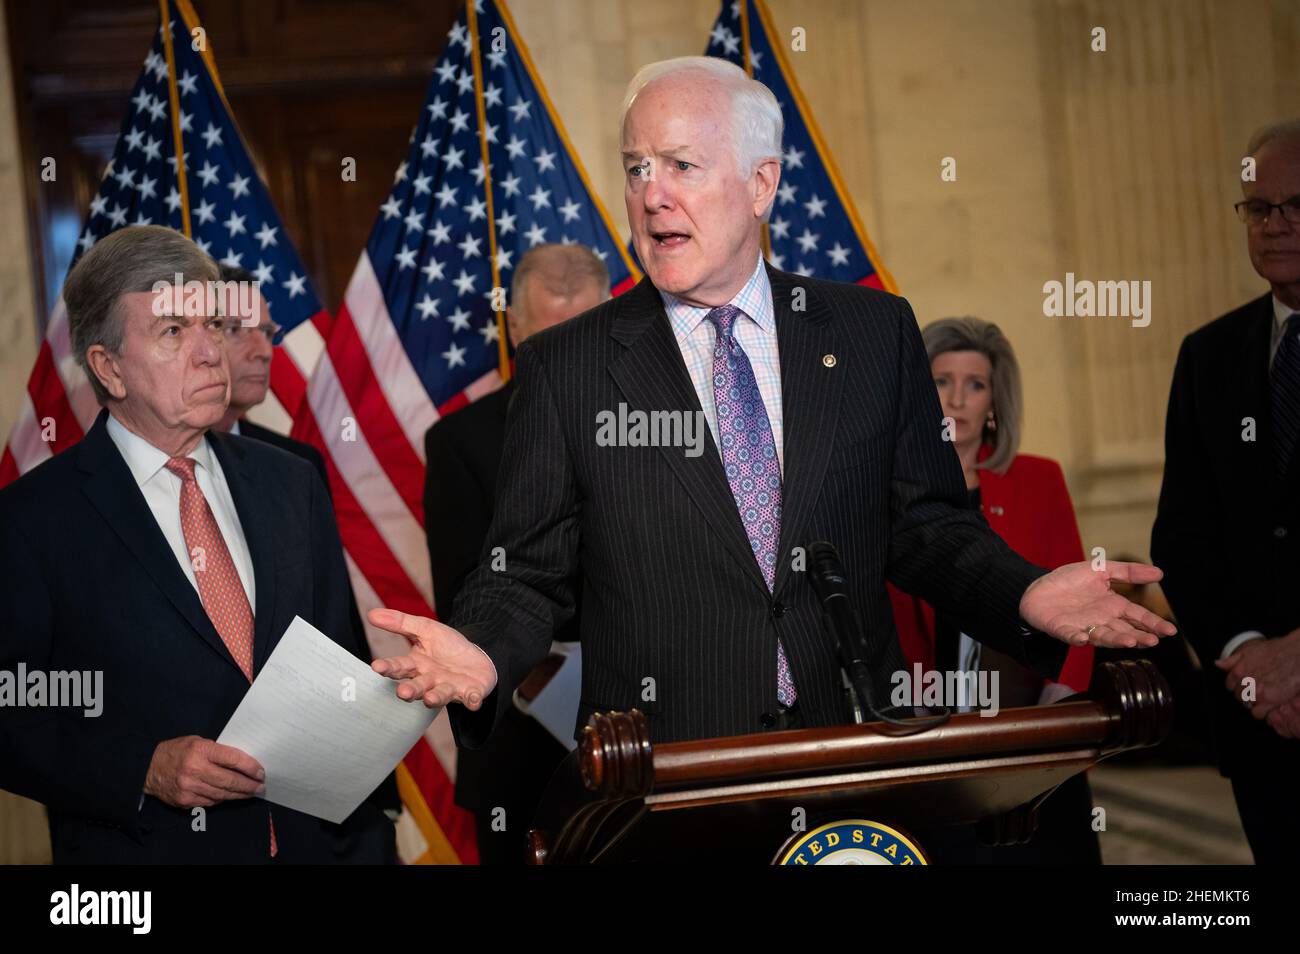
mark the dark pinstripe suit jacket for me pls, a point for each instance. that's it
(676, 618)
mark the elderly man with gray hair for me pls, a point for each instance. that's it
(823, 425)
(1228, 524)
(168, 558)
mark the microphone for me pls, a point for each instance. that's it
(830, 583)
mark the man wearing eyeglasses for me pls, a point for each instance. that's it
(251, 336)
(1227, 533)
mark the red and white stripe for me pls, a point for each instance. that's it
(367, 411)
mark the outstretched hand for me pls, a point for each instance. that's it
(1076, 605)
(442, 666)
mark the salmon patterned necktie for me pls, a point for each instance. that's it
(220, 588)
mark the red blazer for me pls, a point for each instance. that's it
(1028, 507)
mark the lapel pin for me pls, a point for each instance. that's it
(828, 360)
(996, 511)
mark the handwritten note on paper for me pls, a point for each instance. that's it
(326, 727)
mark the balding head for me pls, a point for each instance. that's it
(553, 283)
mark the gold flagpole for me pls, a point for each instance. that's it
(823, 151)
(503, 348)
(174, 95)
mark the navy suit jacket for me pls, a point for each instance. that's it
(1227, 532)
(267, 436)
(91, 584)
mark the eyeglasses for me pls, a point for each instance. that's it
(1257, 211)
(237, 330)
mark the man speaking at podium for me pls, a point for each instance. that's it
(822, 424)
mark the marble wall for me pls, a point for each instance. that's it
(22, 823)
(17, 299)
(1114, 165)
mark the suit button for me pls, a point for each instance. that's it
(767, 720)
(1279, 532)
(778, 609)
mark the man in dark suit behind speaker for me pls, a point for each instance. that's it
(164, 559)
(551, 284)
(786, 410)
(1227, 532)
(250, 348)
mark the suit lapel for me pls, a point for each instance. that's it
(113, 492)
(810, 400)
(255, 520)
(652, 377)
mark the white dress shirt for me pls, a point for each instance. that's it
(162, 492)
(754, 330)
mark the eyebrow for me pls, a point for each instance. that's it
(672, 152)
(183, 320)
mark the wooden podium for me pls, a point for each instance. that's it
(625, 800)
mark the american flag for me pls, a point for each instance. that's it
(417, 337)
(230, 215)
(814, 229)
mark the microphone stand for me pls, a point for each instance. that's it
(826, 573)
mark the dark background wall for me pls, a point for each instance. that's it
(310, 82)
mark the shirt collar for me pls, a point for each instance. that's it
(754, 300)
(144, 459)
(1281, 312)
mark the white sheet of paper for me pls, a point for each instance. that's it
(326, 727)
(556, 706)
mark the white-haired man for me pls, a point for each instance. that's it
(1232, 490)
(823, 425)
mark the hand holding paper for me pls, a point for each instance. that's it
(442, 666)
(192, 772)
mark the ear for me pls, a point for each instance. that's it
(513, 328)
(765, 180)
(104, 366)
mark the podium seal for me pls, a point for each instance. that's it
(851, 841)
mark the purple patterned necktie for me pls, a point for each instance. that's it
(749, 458)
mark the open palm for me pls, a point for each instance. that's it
(442, 666)
(1076, 605)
